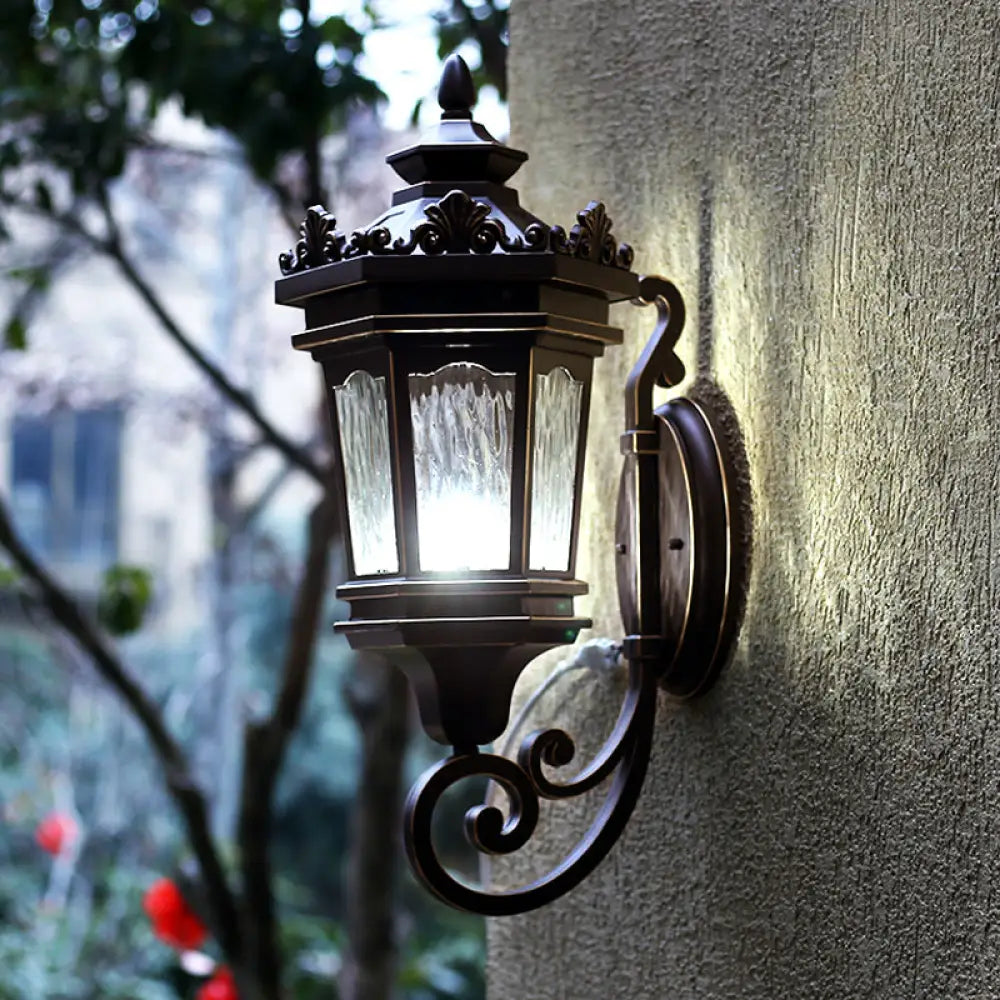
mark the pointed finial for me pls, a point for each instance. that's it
(456, 92)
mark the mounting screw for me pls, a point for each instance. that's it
(621, 548)
(675, 544)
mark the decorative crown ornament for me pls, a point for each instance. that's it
(455, 224)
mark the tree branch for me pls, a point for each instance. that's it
(240, 398)
(150, 145)
(250, 511)
(286, 201)
(185, 793)
(57, 254)
(265, 745)
(237, 396)
(377, 696)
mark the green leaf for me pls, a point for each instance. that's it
(125, 595)
(9, 577)
(340, 34)
(415, 113)
(36, 277)
(43, 196)
(15, 334)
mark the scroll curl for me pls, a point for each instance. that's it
(625, 756)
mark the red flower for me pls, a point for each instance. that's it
(174, 922)
(56, 832)
(221, 986)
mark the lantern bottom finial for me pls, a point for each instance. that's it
(461, 642)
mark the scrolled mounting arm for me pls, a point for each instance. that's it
(624, 757)
(658, 364)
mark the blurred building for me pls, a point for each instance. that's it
(109, 436)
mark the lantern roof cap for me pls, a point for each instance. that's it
(457, 204)
(457, 149)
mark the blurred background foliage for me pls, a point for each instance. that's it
(86, 78)
(83, 85)
(73, 926)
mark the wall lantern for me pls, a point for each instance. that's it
(457, 336)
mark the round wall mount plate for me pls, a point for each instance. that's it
(696, 558)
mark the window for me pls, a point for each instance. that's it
(64, 484)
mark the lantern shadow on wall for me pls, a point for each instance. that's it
(457, 335)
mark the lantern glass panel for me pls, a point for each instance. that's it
(362, 416)
(558, 398)
(463, 429)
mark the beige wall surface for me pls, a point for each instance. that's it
(822, 180)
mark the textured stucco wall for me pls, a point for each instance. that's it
(821, 179)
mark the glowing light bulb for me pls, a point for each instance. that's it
(463, 531)
(462, 417)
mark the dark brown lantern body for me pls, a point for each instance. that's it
(459, 330)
